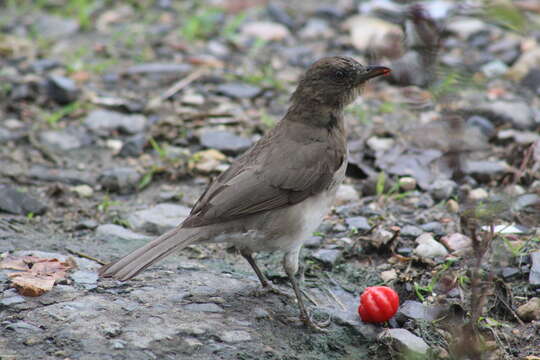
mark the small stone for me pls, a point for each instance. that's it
(260, 313)
(190, 345)
(66, 176)
(530, 310)
(405, 341)
(380, 144)
(381, 237)
(482, 123)
(55, 27)
(86, 224)
(407, 183)
(238, 90)
(204, 307)
(442, 189)
(313, 242)
(428, 247)
(158, 219)
(327, 256)
(112, 232)
(465, 27)
(418, 311)
(485, 168)
(159, 68)
(23, 327)
(519, 113)
(388, 275)
(358, 222)
(452, 206)
(61, 89)
(494, 68)
(123, 180)
(316, 29)
(19, 203)
(433, 227)
(510, 273)
(534, 275)
(83, 191)
(405, 251)
(478, 194)
(268, 31)
(206, 161)
(234, 336)
(346, 194)
(114, 144)
(532, 81)
(224, 141)
(12, 300)
(133, 146)
(61, 140)
(411, 231)
(376, 35)
(84, 277)
(104, 122)
(457, 242)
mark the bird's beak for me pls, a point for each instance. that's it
(371, 72)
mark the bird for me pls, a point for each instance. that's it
(274, 196)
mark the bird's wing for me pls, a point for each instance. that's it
(268, 177)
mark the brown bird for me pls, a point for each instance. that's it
(273, 197)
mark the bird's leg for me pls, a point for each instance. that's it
(290, 264)
(267, 286)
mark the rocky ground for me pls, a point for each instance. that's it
(115, 115)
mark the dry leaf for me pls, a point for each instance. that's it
(29, 284)
(18, 263)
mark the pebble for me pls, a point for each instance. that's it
(494, 69)
(84, 277)
(530, 310)
(418, 311)
(224, 141)
(204, 307)
(61, 140)
(381, 237)
(376, 35)
(478, 194)
(442, 189)
(465, 27)
(428, 247)
(61, 89)
(452, 206)
(327, 256)
(407, 183)
(83, 190)
(206, 161)
(238, 90)
(358, 222)
(532, 81)
(486, 127)
(123, 180)
(104, 122)
(510, 273)
(519, 113)
(388, 275)
(234, 336)
(457, 242)
(19, 203)
(411, 231)
(86, 224)
(55, 27)
(23, 327)
(265, 30)
(66, 176)
(158, 219)
(380, 144)
(112, 232)
(346, 194)
(159, 68)
(406, 342)
(433, 227)
(316, 29)
(12, 300)
(313, 241)
(534, 275)
(133, 146)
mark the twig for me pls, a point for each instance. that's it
(86, 256)
(336, 299)
(176, 87)
(309, 297)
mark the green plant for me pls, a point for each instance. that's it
(359, 112)
(202, 24)
(267, 120)
(157, 148)
(387, 107)
(506, 15)
(231, 27)
(106, 203)
(147, 178)
(56, 116)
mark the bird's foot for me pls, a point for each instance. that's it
(318, 326)
(271, 289)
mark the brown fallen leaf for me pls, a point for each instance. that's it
(29, 284)
(38, 275)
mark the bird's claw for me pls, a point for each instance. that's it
(311, 323)
(269, 288)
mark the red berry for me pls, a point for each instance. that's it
(378, 304)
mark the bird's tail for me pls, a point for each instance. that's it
(141, 258)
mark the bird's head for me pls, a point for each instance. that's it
(334, 82)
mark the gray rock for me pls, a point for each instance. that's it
(442, 189)
(510, 273)
(327, 256)
(494, 68)
(133, 146)
(316, 28)
(411, 231)
(7, 135)
(485, 126)
(23, 327)
(55, 27)
(457, 242)
(358, 222)
(84, 277)
(19, 203)
(534, 275)
(87, 224)
(112, 232)
(159, 68)
(61, 89)
(66, 176)
(234, 336)
(158, 219)
(418, 311)
(532, 80)
(12, 300)
(238, 90)
(530, 310)
(224, 141)
(42, 65)
(519, 113)
(313, 241)
(123, 180)
(104, 122)
(204, 307)
(60, 140)
(428, 247)
(405, 341)
(484, 167)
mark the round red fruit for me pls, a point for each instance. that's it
(378, 304)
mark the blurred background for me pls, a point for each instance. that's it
(114, 116)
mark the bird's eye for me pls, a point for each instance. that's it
(340, 75)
